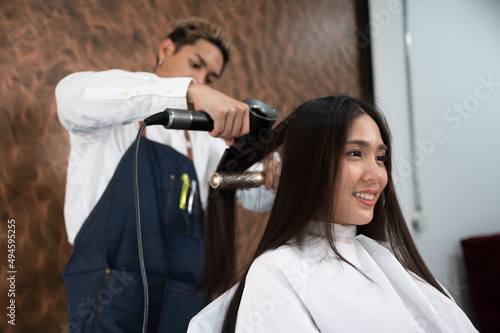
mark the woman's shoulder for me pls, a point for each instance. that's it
(276, 262)
(281, 255)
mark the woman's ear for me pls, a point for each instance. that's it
(167, 48)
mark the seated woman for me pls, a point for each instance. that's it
(336, 254)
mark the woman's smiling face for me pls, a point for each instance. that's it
(363, 173)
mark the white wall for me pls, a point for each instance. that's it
(455, 51)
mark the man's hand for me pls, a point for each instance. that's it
(231, 117)
(272, 171)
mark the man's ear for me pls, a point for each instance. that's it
(167, 48)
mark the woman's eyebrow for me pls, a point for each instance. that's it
(365, 144)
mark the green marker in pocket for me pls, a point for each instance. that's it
(184, 190)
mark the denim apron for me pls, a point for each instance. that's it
(102, 278)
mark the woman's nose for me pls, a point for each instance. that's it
(374, 170)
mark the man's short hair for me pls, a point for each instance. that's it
(189, 31)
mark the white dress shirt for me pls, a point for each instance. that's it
(307, 288)
(101, 111)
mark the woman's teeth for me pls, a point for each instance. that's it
(365, 196)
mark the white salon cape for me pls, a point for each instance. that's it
(102, 110)
(308, 289)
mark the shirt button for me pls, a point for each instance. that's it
(124, 93)
(169, 91)
(172, 104)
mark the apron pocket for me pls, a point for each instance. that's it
(183, 208)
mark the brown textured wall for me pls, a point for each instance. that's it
(288, 51)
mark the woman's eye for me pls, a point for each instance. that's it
(382, 158)
(354, 153)
(195, 64)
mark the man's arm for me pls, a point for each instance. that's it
(89, 101)
(231, 117)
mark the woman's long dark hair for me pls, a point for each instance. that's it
(313, 148)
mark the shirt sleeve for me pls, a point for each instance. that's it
(271, 301)
(89, 101)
